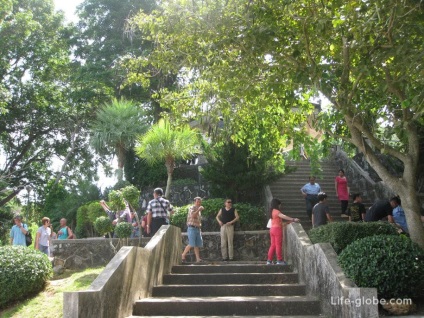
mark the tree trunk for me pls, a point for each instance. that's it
(170, 169)
(406, 187)
(121, 162)
(411, 206)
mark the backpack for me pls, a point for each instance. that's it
(28, 238)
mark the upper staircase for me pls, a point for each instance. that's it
(287, 189)
(228, 290)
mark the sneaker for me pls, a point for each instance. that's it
(269, 262)
(344, 215)
(225, 259)
(281, 263)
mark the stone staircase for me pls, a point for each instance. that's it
(229, 290)
(287, 189)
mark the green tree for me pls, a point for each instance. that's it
(115, 130)
(164, 143)
(266, 59)
(38, 114)
(234, 172)
(105, 42)
(141, 174)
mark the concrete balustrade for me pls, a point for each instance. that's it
(128, 277)
(318, 269)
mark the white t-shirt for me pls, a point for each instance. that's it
(44, 236)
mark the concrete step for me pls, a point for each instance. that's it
(230, 268)
(228, 306)
(230, 278)
(303, 316)
(229, 290)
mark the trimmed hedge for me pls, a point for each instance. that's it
(23, 272)
(341, 234)
(103, 225)
(392, 264)
(251, 217)
(123, 229)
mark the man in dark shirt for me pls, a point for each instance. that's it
(157, 212)
(356, 210)
(226, 218)
(321, 212)
(379, 210)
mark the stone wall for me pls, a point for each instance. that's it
(84, 253)
(318, 270)
(112, 294)
(248, 246)
(356, 175)
(93, 252)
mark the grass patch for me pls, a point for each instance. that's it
(49, 302)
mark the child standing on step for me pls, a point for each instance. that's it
(276, 232)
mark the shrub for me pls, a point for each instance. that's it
(23, 272)
(83, 224)
(392, 264)
(123, 229)
(116, 198)
(6, 223)
(103, 225)
(94, 210)
(341, 234)
(251, 217)
(183, 182)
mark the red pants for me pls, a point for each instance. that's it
(276, 234)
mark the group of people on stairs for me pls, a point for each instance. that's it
(319, 213)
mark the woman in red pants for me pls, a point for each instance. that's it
(276, 232)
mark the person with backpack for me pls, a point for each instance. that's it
(65, 232)
(18, 232)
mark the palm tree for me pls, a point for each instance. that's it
(164, 143)
(116, 128)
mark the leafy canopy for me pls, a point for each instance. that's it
(168, 144)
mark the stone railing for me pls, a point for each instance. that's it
(91, 252)
(318, 270)
(358, 176)
(248, 246)
(129, 276)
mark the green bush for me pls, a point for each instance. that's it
(103, 225)
(83, 224)
(23, 272)
(116, 198)
(341, 234)
(251, 217)
(94, 210)
(392, 264)
(123, 229)
(6, 223)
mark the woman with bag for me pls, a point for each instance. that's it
(276, 232)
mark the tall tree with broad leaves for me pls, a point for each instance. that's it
(259, 58)
(168, 144)
(106, 42)
(34, 70)
(115, 130)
